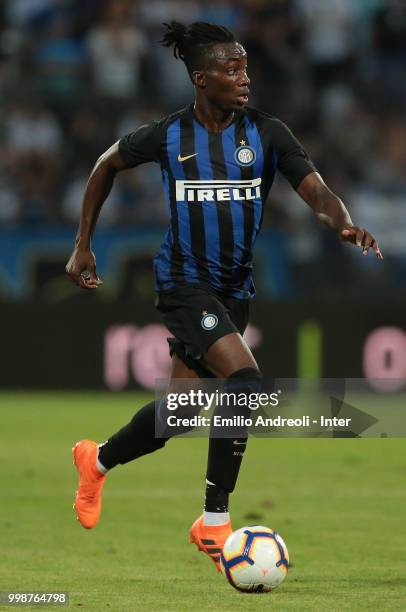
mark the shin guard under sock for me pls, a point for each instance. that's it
(226, 454)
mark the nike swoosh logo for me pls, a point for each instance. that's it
(182, 159)
(238, 443)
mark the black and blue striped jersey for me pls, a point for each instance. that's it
(216, 185)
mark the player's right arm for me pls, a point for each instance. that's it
(136, 148)
(81, 266)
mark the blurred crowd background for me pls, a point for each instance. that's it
(76, 75)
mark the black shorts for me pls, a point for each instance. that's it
(197, 318)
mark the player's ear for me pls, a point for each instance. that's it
(199, 78)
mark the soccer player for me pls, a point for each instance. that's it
(218, 158)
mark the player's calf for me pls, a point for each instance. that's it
(228, 443)
(225, 455)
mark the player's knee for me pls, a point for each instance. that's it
(244, 383)
(173, 419)
(249, 379)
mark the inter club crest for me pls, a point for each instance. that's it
(245, 155)
(209, 321)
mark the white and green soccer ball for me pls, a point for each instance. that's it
(254, 559)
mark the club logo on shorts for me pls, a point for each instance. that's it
(209, 321)
(245, 155)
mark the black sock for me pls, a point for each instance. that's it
(223, 466)
(134, 440)
(216, 499)
(226, 454)
(138, 437)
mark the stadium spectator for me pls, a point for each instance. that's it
(116, 49)
(153, 13)
(9, 202)
(60, 59)
(225, 12)
(31, 128)
(330, 39)
(389, 36)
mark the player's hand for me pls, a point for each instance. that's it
(362, 239)
(81, 268)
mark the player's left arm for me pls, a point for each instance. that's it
(331, 211)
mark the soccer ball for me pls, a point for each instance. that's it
(254, 559)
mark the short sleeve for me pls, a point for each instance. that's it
(141, 146)
(292, 159)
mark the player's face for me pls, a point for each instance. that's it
(225, 80)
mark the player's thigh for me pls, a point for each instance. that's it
(228, 355)
(183, 380)
(181, 374)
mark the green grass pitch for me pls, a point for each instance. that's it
(339, 505)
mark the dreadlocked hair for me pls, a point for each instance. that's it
(191, 42)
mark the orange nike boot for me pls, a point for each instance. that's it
(88, 496)
(210, 538)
